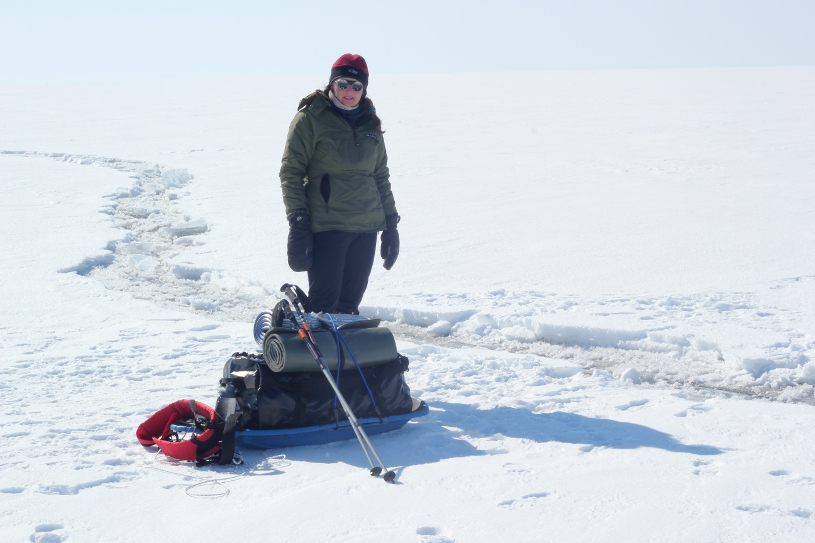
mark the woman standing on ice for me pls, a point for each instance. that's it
(337, 191)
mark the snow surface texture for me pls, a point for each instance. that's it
(605, 276)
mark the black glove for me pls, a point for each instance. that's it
(300, 247)
(390, 241)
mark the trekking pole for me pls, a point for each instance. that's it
(304, 331)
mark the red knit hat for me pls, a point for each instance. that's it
(353, 66)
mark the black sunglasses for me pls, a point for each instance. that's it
(343, 84)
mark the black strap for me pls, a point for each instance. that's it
(228, 439)
(203, 423)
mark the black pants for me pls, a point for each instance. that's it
(339, 276)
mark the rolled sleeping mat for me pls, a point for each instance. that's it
(265, 320)
(285, 351)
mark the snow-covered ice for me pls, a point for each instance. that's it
(606, 290)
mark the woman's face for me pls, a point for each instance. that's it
(348, 96)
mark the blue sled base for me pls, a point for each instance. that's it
(327, 433)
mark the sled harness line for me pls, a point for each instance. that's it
(304, 331)
(194, 490)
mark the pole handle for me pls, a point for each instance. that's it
(288, 290)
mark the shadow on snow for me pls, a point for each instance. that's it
(442, 435)
(558, 426)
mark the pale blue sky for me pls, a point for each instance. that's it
(44, 40)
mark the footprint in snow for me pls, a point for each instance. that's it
(703, 467)
(790, 478)
(12, 490)
(529, 500)
(431, 534)
(632, 403)
(799, 512)
(67, 490)
(697, 409)
(516, 468)
(205, 328)
(119, 462)
(44, 533)
(753, 508)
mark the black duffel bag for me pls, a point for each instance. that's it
(268, 400)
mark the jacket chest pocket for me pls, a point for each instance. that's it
(367, 147)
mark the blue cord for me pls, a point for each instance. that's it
(339, 359)
(353, 356)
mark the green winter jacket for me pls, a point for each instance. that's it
(339, 173)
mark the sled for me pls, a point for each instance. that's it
(326, 433)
